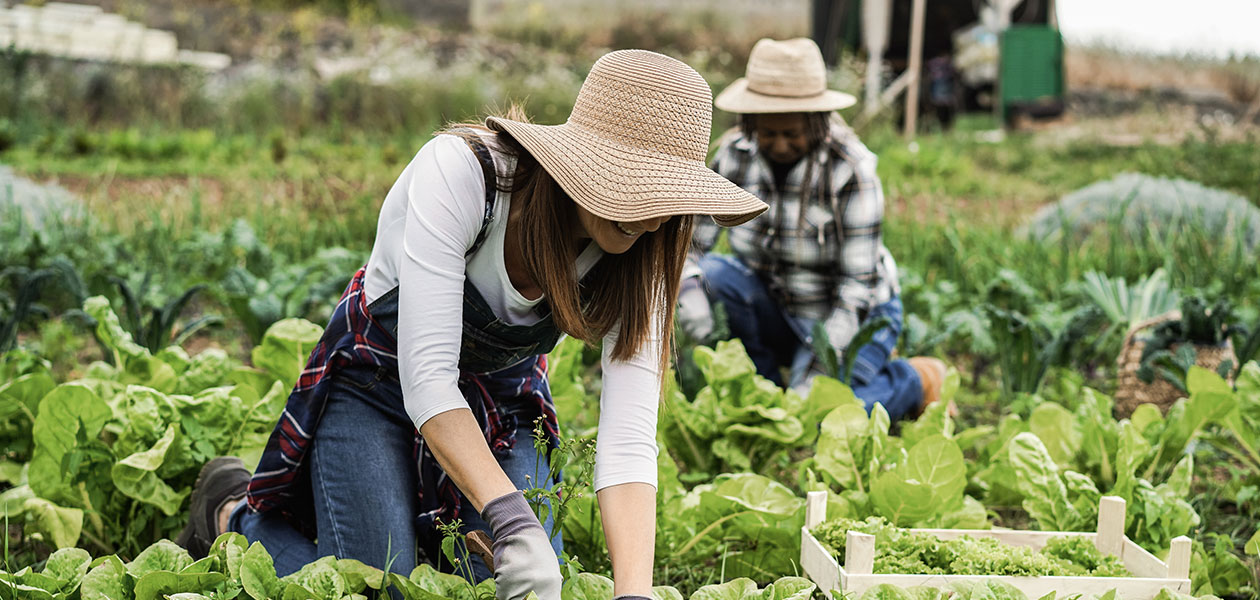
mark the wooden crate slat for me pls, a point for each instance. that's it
(1179, 558)
(1110, 535)
(818, 564)
(1140, 562)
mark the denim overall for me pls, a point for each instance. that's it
(370, 483)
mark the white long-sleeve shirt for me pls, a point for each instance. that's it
(429, 220)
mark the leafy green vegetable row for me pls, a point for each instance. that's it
(237, 570)
(110, 459)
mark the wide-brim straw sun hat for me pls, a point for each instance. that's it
(783, 77)
(635, 144)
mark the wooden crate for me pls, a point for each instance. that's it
(855, 577)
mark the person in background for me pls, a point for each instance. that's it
(817, 256)
(942, 89)
(419, 404)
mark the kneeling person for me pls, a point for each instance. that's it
(817, 255)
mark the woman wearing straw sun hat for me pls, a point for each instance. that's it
(817, 256)
(419, 403)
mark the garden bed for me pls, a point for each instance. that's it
(856, 575)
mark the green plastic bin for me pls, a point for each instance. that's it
(1031, 71)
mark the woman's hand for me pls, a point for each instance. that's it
(524, 561)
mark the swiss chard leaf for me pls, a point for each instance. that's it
(1037, 478)
(136, 475)
(285, 348)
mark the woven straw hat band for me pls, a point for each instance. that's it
(647, 101)
(791, 69)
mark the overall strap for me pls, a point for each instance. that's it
(478, 146)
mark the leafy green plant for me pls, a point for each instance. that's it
(299, 290)
(14, 310)
(129, 438)
(918, 479)
(1066, 500)
(32, 285)
(1170, 351)
(740, 421)
(155, 324)
(1028, 347)
(1123, 305)
(549, 495)
(826, 353)
(1239, 435)
(749, 520)
(1219, 571)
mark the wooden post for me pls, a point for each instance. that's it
(1110, 539)
(915, 67)
(1179, 558)
(859, 553)
(815, 509)
(876, 22)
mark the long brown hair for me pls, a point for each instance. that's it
(626, 289)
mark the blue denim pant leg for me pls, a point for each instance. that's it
(879, 379)
(363, 482)
(752, 315)
(289, 549)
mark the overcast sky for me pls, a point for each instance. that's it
(1213, 27)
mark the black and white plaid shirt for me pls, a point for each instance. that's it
(818, 268)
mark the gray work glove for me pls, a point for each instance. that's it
(695, 314)
(524, 560)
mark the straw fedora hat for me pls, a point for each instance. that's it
(635, 144)
(783, 77)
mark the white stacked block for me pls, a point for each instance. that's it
(86, 32)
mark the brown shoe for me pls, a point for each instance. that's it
(932, 373)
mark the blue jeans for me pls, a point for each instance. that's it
(364, 481)
(774, 339)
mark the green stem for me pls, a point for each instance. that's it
(240, 429)
(857, 477)
(98, 542)
(691, 445)
(93, 516)
(1250, 458)
(1159, 451)
(1108, 477)
(1255, 456)
(703, 532)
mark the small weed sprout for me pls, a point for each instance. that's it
(456, 552)
(548, 493)
(453, 548)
